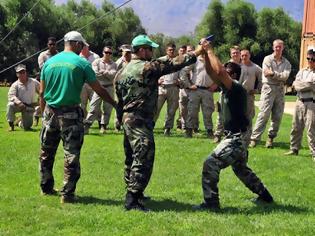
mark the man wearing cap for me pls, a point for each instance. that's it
(125, 57)
(137, 93)
(51, 51)
(304, 115)
(105, 69)
(22, 98)
(62, 79)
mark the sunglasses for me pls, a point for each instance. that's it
(149, 48)
(51, 44)
(311, 59)
(106, 52)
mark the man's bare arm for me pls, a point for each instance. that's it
(42, 102)
(215, 68)
(103, 93)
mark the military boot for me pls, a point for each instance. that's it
(68, 199)
(208, 205)
(210, 134)
(132, 202)
(167, 132)
(188, 133)
(103, 129)
(11, 124)
(253, 143)
(264, 196)
(292, 152)
(269, 143)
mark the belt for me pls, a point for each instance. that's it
(307, 100)
(203, 87)
(107, 85)
(168, 85)
(64, 108)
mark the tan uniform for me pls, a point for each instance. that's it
(87, 91)
(168, 92)
(304, 115)
(105, 73)
(20, 93)
(272, 97)
(201, 97)
(251, 81)
(44, 56)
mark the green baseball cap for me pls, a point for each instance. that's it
(143, 40)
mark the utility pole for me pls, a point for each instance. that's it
(308, 31)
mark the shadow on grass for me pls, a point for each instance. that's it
(264, 208)
(87, 200)
(168, 205)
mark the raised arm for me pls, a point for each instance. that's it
(214, 67)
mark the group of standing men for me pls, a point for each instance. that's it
(142, 86)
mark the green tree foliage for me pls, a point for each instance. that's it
(238, 23)
(47, 19)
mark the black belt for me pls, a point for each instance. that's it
(203, 87)
(168, 85)
(107, 85)
(64, 108)
(307, 100)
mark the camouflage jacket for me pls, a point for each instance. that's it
(137, 84)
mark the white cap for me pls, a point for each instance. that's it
(74, 36)
(19, 68)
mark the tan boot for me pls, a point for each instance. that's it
(292, 152)
(252, 144)
(269, 143)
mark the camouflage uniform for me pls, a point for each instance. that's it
(202, 96)
(231, 150)
(168, 92)
(137, 93)
(272, 97)
(64, 123)
(304, 114)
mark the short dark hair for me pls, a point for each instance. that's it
(235, 70)
(183, 47)
(109, 47)
(51, 39)
(170, 45)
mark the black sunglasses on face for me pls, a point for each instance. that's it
(311, 59)
(51, 44)
(108, 52)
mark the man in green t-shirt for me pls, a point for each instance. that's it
(61, 82)
(232, 150)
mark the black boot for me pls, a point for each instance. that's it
(209, 205)
(132, 202)
(265, 196)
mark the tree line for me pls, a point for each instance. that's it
(236, 22)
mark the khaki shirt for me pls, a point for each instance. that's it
(304, 83)
(43, 57)
(200, 76)
(251, 77)
(282, 70)
(105, 72)
(20, 93)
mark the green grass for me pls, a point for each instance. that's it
(174, 187)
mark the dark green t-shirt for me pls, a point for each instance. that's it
(234, 108)
(64, 76)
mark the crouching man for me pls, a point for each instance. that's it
(231, 150)
(22, 98)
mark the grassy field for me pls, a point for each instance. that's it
(175, 186)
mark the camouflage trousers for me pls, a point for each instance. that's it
(219, 131)
(64, 124)
(230, 151)
(139, 150)
(272, 102)
(304, 117)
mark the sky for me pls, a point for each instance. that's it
(180, 17)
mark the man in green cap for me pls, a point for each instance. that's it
(137, 93)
